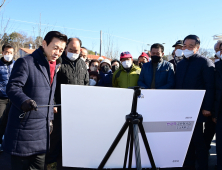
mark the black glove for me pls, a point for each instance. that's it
(29, 105)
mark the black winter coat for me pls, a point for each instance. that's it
(218, 84)
(30, 79)
(71, 73)
(197, 73)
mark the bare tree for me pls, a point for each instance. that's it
(3, 29)
(209, 53)
(3, 1)
(110, 50)
(41, 33)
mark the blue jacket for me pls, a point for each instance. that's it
(197, 73)
(30, 79)
(105, 79)
(164, 76)
(5, 71)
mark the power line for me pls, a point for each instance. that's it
(125, 38)
(28, 22)
(49, 25)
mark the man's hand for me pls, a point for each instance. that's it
(214, 120)
(55, 110)
(29, 105)
(206, 113)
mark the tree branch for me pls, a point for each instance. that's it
(2, 3)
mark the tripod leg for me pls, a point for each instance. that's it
(113, 146)
(131, 147)
(127, 147)
(145, 141)
(137, 146)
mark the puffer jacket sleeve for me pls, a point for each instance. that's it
(141, 80)
(170, 79)
(208, 78)
(17, 80)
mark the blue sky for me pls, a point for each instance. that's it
(144, 21)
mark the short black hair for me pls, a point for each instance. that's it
(220, 45)
(92, 61)
(70, 39)
(84, 48)
(7, 46)
(193, 37)
(55, 34)
(157, 45)
(115, 60)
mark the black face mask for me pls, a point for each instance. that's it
(141, 65)
(114, 68)
(105, 69)
(155, 59)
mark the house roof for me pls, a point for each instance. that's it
(91, 57)
(27, 50)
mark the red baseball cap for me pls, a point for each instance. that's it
(125, 54)
(144, 55)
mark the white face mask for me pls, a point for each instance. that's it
(92, 82)
(8, 57)
(127, 63)
(72, 56)
(218, 54)
(84, 59)
(179, 53)
(187, 53)
(93, 68)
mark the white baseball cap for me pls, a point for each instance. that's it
(106, 61)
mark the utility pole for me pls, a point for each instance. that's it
(101, 43)
(40, 26)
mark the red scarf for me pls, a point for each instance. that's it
(52, 66)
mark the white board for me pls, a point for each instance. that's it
(91, 119)
(169, 118)
(93, 116)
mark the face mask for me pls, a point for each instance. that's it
(72, 56)
(155, 58)
(93, 68)
(84, 59)
(141, 65)
(105, 69)
(8, 57)
(92, 82)
(179, 53)
(218, 54)
(87, 66)
(188, 53)
(114, 68)
(127, 64)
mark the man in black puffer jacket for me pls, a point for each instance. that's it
(218, 110)
(196, 72)
(73, 71)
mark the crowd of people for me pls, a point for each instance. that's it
(32, 134)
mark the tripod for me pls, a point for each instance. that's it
(134, 122)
